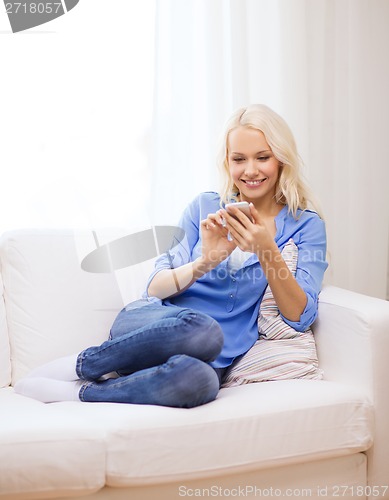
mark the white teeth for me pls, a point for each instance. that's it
(254, 183)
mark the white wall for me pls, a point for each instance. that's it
(322, 65)
(76, 109)
(85, 142)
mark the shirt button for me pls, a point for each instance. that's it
(231, 295)
(233, 279)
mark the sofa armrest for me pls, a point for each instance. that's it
(352, 338)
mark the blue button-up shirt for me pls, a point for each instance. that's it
(233, 298)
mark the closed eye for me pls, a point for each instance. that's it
(260, 158)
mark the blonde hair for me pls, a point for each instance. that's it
(291, 188)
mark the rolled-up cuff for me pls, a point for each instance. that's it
(81, 394)
(307, 317)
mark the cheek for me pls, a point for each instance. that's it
(272, 170)
(234, 172)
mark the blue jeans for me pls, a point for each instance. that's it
(161, 354)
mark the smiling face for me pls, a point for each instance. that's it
(252, 165)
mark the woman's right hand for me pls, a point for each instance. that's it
(215, 247)
(215, 243)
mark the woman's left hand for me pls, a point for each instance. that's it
(254, 236)
(249, 235)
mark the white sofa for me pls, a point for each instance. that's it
(313, 438)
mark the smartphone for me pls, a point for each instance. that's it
(242, 205)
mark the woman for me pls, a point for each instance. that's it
(199, 313)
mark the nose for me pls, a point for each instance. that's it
(251, 169)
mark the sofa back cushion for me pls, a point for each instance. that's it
(5, 363)
(54, 308)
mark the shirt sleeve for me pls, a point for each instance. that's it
(180, 252)
(311, 265)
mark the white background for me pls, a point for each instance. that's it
(110, 114)
(76, 107)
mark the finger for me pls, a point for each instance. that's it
(237, 231)
(254, 214)
(237, 235)
(207, 223)
(216, 218)
(220, 218)
(235, 222)
(239, 216)
(213, 221)
(216, 221)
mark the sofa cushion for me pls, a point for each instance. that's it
(281, 352)
(279, 359)
(246, 427)
(45, 450)
(54, 308)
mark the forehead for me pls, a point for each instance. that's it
(246, 140)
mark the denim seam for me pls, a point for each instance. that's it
(82, 390)
(79, 366)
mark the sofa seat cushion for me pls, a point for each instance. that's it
(44, 449)
(253, 426)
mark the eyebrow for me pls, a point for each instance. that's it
(259, 152)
